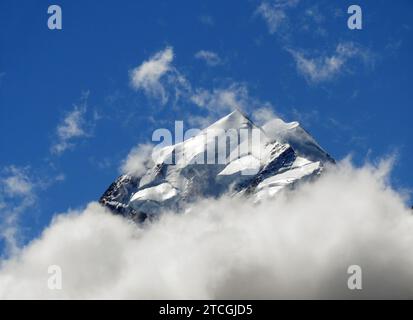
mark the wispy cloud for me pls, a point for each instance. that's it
(17, 183)
(222, 99)
(275, 13)
(148, 75)
(313, 21)
(157, 75)
(288, 23)
(17, 193)
(73, 127)
(167, 81)
(318, 68)
(219, 101)
(211, 58)
(138, 160)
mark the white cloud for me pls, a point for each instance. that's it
(220, 101)
(223, 99)
(201, 122)
(17, 194)
(138, 160)
(159, 79)
(216, 99)
(275, 13)
(287, 23)
(73, 126)
(297, 246)
(324, 67)
(17, 183)
(211, 58)
(263, 115)
(148, 75)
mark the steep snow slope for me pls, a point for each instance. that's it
(232, 156)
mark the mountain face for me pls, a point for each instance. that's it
(233, 156)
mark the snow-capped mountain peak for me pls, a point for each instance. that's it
(232, 156)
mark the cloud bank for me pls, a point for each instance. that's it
(297, 246)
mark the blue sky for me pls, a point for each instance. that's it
(350, 88)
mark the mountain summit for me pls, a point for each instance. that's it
(232, 157)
